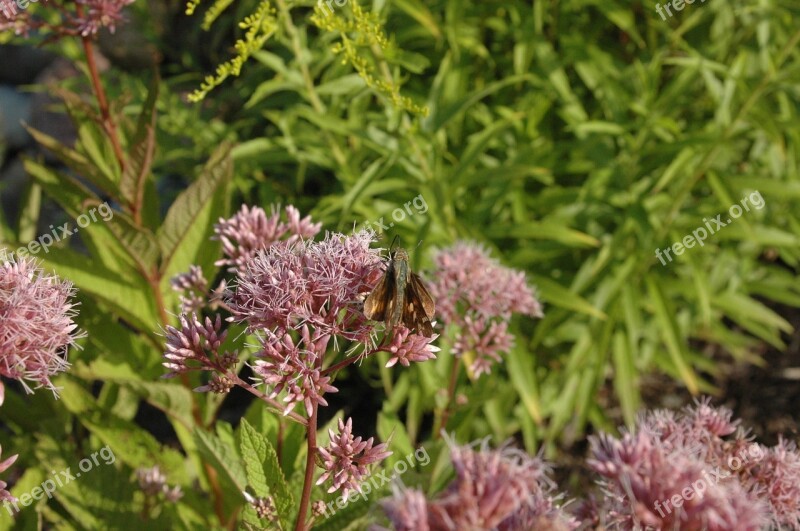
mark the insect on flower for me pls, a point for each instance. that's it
(401, 297)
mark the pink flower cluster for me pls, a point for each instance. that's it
(193, 289)
(195, 346)
(86, 19)
(4, 494)
(346, 459)
(504, 489)
(299, 297)
(292, 367)
(319, 283)
(248, 232)
(679, 472)
(478, 295)
(251, 230)
(36, 324)
(100, 14)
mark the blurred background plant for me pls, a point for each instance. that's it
(571, 139)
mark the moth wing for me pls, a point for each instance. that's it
(419, 307)
(428, 306)
(380, 302)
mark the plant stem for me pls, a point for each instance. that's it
(102, 101)
(241, 383)
(311, 459)
(451, 391)
(352, 359)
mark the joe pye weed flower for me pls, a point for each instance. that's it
(302, 301)
(36, 324)
(36, 331)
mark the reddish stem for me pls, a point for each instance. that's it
(451, 392)
(102, 101)
(279, 445)
(311, 462)
(241, 383)
(352, 359)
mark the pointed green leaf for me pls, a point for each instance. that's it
(76, 162)
(263, 471)
(140, 158)
(676, 347)
(184, 235)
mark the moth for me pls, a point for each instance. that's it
(401, 297)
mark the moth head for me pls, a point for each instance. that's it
(399, 254)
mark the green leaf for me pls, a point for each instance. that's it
(29, 213)
(226, 461)
(140, 157)
(547, 231)
(184, 235)
(76, 162)
(263, 471)
(625, 383)
(558, 295)
(130, 300)
(172, 399)
(420, 12)
(676, 347)
(520, 370)
(115, 242)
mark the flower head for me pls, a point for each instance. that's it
(100, 14)
(321, 283)
(195, 346)
(193, 289)
(643, 477)
(12, 18)
(251, 230)
(776, 478)
(36, 323)
(346, 459)
(152, 481)
(294, 367)
(86, 20)
(4, 494)
(408, 510)
(264, 507)
(722, 483)
(406, 347)
(469, 280)
(503, 489)
(478, 295)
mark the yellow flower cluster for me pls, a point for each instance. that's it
(259, 28)
(363, 30)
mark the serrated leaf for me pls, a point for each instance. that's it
(185, 231)
(75, 199)
(226, 461)
(263, 471)
(140, 159)
(139, 242)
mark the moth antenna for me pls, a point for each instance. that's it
(394, 240)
